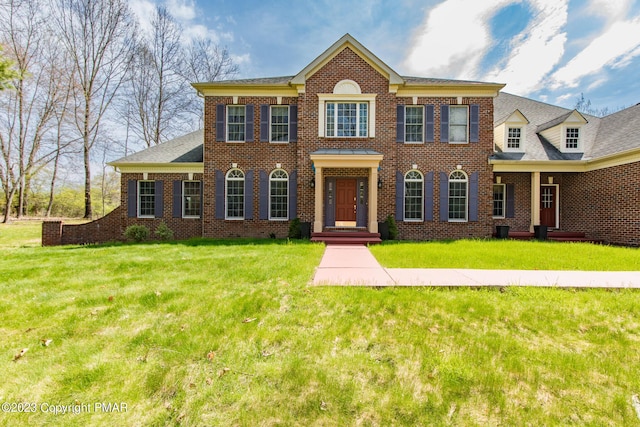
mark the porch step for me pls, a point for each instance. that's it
(346, 237)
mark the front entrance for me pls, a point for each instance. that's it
(549, 206)
(346, 207)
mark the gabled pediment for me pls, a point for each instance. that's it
(516, 118)
(571, 118)
(347, 41)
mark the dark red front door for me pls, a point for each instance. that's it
(548, 206)
(345, 200)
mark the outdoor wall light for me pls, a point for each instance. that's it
(312, 183)
(379, 182)
(278, 165)
(498, 179)
(414, 166)
(234, 165)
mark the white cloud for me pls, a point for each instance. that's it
(610, 10)
(143, 10)
(615, 47)
(182, 10)
(453, 39)
(536, 51)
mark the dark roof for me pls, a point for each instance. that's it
(619, 132)
(184, 149)
(342, 152)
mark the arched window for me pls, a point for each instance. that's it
(278, 195)
(235, 194)
(413, 196)
(458, 196)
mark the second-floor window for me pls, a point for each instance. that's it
(572, 138)
(280, 123)
(413, 119)
(347, 119)
(235, 123)
(513, 138)
(458, 120)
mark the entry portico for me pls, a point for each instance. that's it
(345, 159)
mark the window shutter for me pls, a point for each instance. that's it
(263, 195)
(428, 196)
(293, 123)
(159, 199)
(473, 197)
(132, 198)
(293, 195)
(219, 194)
(444, 197)
(511, 205)
(220, 131)
(264, 123)
(201, 198)
(248, 195)
(474, 123)
(444, 124)
(177, 199)
(400, 124)
(399, 196)
(428, 123)
(248, 123)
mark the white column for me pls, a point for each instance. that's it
(373, 200)
(318, 202)
(535, 200)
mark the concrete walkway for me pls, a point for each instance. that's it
(356, 266)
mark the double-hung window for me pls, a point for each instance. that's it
(191, 199)
(514, 137)
(236, 123)
(279, 123)
(347, 119)
(235, 194)
(458, 124)
(572, 138)
(413, 196)
(414, 123)
(498, 201)
(458, 196)
(146, 199)
(278, 195)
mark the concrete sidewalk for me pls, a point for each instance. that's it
(356, 266)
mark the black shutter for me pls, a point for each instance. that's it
(263, 188)
(159, 199)
(219, 194)
(293, 195)
(429, 123)
(264, 123)
(428, 196)
(248, 195)
(400, 123)
(474, 123)
(293, 123)
(248, 123)
(220, 116)
(473, 197)
(444, 197)
(132, 198)
(511, 205)
(444, 123)
(177, 199)
(399, 196)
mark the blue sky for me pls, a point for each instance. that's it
(550, 50)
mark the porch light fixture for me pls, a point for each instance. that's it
(550, 179)
(498, 179)
(234, 165)
(312, 183)
(278, 165)
(379, 182)
(414, 166)
(459, 167)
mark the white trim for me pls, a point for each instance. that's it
(138, 199)
(286, 218)
(227, 123)
(466, 141)
(182, 199)
(504, 200)
(506, 147)
(226, 195)
(422, 141)
(565, 149)
(404, 197)
(466, 198)
(323, 98)
(288, 107)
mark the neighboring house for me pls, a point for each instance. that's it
(347, 141)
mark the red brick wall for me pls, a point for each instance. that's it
(522, 200)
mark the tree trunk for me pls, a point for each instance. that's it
(7, 211)
(88, 212)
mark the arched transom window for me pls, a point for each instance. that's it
(458, 196)
(278, 195)
(235, 194)
(413, 196)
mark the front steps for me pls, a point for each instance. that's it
(346, 237)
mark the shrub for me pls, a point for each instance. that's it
(137, 233)
(393, 228)
(294, 229)
(164, 232)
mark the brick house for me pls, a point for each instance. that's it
(347, 141)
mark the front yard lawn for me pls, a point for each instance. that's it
(230, 333)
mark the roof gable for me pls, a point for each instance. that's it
(347, 41)
(571, 118)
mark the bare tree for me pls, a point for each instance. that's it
(99, 37)
(157, 87)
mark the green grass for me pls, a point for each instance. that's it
(507, 254)
(136, 323)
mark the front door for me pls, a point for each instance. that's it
(345, 202)
(548, 205)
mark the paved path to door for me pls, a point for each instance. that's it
(355, 266)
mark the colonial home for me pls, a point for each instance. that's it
(347, 142)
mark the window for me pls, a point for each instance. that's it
(235, 123)
(413, 118)
(458, 119)
(498, 200)
(413, 196)
(458, 196)
(347, 119)
(191, 199)
(513, 138)
(280, 124)
(278, 195)
(146, 199)
(235, 194)
(572, 138)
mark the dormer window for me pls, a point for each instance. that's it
(572, 138)
(514, 138)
